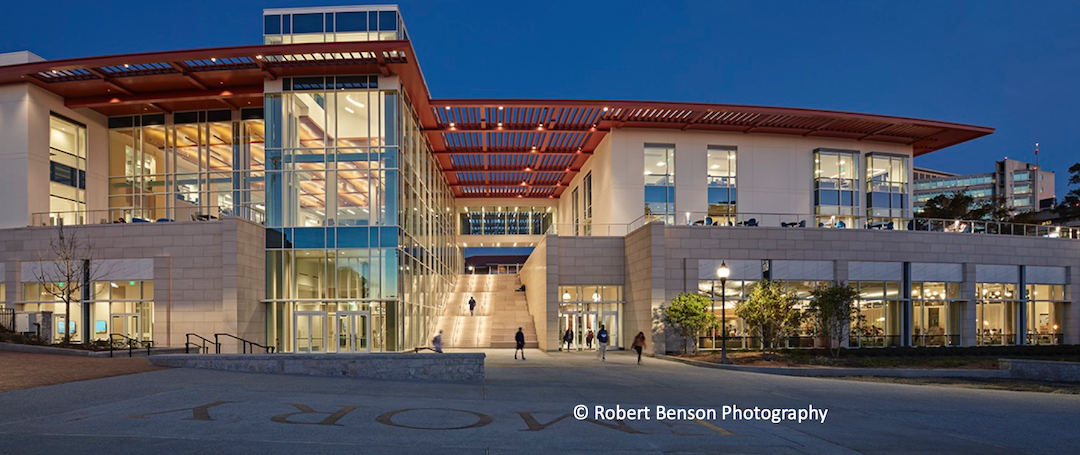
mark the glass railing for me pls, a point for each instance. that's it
(123, 215)
(819, 221)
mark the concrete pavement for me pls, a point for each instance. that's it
(524, 407)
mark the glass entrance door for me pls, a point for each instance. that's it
(353, 331)
(309, 331)
(126, 324)
(610, 320)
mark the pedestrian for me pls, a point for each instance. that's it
(588, 338)
(602, 337)
(437, 342)
(568, 337)
(519, 337)
(639, 344)
(472, 305)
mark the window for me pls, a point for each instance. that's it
(886, 190)
(937, 314)
(331, 27)
(67, 171)
(880, 306)
(836, 187)
(660, 182)
(587, 184)
(739, 335)
(1045, 313)
(721, 185)
(996, 312)
(577, 211)
(504, 220)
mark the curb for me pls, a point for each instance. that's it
(846, 372)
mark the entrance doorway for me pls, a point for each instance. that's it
(582, 321)
(353, 331)
(309, 333)
(126, 324)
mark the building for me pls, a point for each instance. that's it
(1025, 187)
(309, 194)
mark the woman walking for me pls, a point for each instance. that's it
(639, 344)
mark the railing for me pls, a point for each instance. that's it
(246, 345)
(130, 342)
(123, 215)
(203, 348)
(7, 319)
(818, 221)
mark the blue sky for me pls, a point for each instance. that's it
(1014, 66)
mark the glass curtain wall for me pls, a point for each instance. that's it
(504, 220)
(1045, 313)
(586, 185)
(937, 314)
(739, 335)
(585, 308)
(996, 313)
(886, 190)
(836, 188)
(879, 307)
(122, 309)
(67, 171)
(190, 166)
(660, 183)
(360, 220)
(722, 193)
(318, 27)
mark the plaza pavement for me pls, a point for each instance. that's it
(524, 407)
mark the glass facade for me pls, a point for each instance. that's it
(996, 313)
(879, 310)
(739, 335)
(504, 220)
(937, 314)
(117, 309)
(583, 309)
(886, 190)
(1045, 313)
(721, 180)
(331, 26)
(67, 171)
(660, 183)
(836, 188)
(360, 250)
(189, 166)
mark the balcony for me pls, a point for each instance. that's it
(124, 215)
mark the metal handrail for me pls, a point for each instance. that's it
(131, 343)
(125, 215)
(203, 348)
(245, 345)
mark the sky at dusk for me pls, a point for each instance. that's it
(1010, 65)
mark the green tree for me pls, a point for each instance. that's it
(954, 206)
(773, 312)
(1070, 204)
(688, 315)
(832, 308)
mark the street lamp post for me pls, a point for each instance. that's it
(723, 272)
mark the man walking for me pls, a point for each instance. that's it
(472, 305)
(519, 337)
(602, 337)
(437, 342)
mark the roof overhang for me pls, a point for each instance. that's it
(213, 78)
(534, 148)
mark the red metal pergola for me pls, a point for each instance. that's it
(486, 148)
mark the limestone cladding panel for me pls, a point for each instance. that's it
(534, 275)
(203, 281)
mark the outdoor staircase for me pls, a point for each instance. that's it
(500, 310)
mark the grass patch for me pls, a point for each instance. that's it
(807, 358)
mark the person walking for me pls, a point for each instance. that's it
(437, 342)
(568, 337)
(639, 345)
(588, 338)
(472, 305)
(519, 337)
(602, 337)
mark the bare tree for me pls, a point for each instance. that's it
(65, 268)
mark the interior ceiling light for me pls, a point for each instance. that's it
(347, 109)
(354, 102)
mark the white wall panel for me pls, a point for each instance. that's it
(802, 270)
(875, 271)
(929, 271)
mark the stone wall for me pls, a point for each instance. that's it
(456, 367)
(1042, 370)
(535, 276)
(208, 276)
